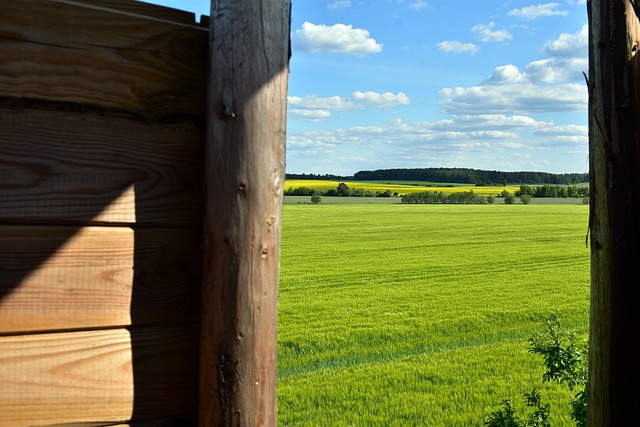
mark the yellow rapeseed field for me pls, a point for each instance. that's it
(400, 188)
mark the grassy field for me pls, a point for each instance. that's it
(418, 315)
(400, 187)
(391, 200)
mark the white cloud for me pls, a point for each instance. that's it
(487, 33)
(339, 4)
(551, 84)
(567, 59)
(490, 121)
(506, 74)
(538, 10)
(485, 141)
(338, 38)
(457, 47)
(312, 102)
(309, 115)
(557, 70)
(419, 4)
(514, 98)
(569, 45)
(371, 99)
(314, 108)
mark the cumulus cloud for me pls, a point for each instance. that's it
(483, 141)
(314, 108)
(488, 33)
(514, 98)
(556, 70)
(490, 121)
(338, 38)
(313, 102)
(506, 74)
(569, 45)
(309, 115)
(551, 84)
(457, 47)
(371, 99)
(567, 59)
(538, 10)
(488, 141)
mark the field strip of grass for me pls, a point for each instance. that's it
(376, 290)
(400, 188)
(458, 388)
(422, 349)
(395, 200)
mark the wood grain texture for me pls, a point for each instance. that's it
(97, 376)
(142, 9)
(82, 168)
(65, 52)
(244, 178)
(614, 161)
(61, 278)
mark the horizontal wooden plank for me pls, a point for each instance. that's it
(106, 376)
(61, 278)
(66, 52)
(78, 167)
(144, 9)
(189, 420)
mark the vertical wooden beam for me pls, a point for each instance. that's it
(614, 153)
(244, 173)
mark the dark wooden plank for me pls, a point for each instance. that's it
(146, 10)
(98, 376)
(61, 278)
(83, 168)
(614, 160)
(244, 179)
(108, 62)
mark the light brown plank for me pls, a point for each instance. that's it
(60, 278)
(106, 376)
(78, 167)
(65, 52)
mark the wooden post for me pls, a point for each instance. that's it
(244, 177)
(614, 153)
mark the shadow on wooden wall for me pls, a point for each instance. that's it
(101, 155)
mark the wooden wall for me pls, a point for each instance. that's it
(102, 107)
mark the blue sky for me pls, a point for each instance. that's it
(378, 84)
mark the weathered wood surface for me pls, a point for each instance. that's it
(106, 376)
(245, 164)
(142, 10)
(62, 278)
(95, 59)
(614, 153)
(77, 167)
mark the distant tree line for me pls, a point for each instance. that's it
(553, 191)
(433, 197)
(325, 177)
(526, 193)
(470, 176)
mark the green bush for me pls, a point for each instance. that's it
(567, 363)
(525, 199)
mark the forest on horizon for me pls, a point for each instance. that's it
(456, 175)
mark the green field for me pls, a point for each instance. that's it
(418, 315)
